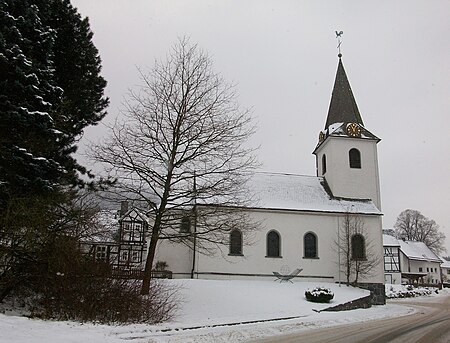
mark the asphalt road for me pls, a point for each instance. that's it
(430, 324)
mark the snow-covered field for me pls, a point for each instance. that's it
(212, 311)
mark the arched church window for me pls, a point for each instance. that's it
(273, 244)
(358, 247)
(235, 242)
(310, 245)
(355, 158)
(324, 164)
(185, 226)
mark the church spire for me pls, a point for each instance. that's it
(343, 108)
(346, 154)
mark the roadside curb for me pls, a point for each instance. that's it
(230, 324)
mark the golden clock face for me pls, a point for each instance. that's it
(321, 136)
(353, 130)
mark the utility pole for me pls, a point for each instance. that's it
(194, 210)
(339, 252)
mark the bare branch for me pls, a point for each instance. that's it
(184, 127)
(358, 257)
(414, 226)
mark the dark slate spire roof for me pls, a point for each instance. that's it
(343, 108)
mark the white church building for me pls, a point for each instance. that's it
(301, 216)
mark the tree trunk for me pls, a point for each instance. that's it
(151, 256)
(148, 266)
(154, 239)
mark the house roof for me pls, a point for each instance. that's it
(418, 251)
(343, 107)
(445, 263)
(390, 241)
(134, 213)
(303, 193)
(412, 249)
(108, 220)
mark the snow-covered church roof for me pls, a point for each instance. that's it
(303, 193)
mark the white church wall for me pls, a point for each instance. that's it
(178, 256)
(292, 226)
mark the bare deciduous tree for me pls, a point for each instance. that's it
(357, 255)
(414, 226)
(182, 147)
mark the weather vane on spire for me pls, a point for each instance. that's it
(338, 36)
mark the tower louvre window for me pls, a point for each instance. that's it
(185, 226)
(324, 164)
(354, 158)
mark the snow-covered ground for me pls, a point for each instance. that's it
(212, 311)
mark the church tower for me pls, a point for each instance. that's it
(346, 154)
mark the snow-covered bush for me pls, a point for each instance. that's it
(319, 295)
(407, 291)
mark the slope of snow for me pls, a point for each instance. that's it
(210, 311)
(210, 302)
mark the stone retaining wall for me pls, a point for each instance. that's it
(377, 292)
(365, 302)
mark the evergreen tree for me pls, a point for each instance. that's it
(28, 137)
(50, 90)
(77, 70)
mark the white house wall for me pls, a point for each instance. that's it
(394, 278)
(445, 274)
(392, 264)
(291, 226)
(432, 269)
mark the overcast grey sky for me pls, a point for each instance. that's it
(282, 56)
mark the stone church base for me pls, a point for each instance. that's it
(377, 292)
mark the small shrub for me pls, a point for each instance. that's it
(319, 295)
(161, 266)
